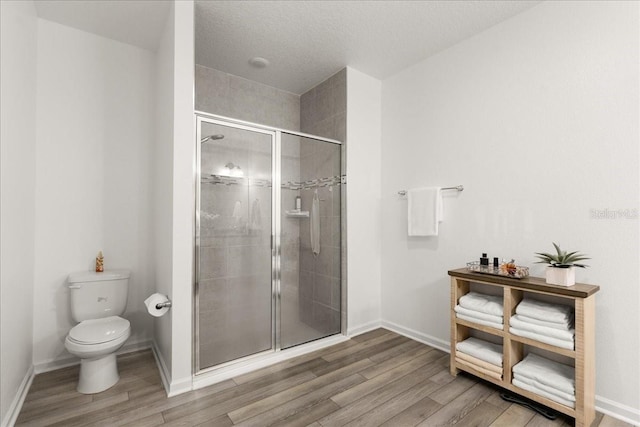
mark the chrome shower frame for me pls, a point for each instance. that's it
(276, 147)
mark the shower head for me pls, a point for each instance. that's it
(211, 137)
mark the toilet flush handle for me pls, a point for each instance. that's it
(75, 286)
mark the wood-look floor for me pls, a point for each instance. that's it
(378, 378)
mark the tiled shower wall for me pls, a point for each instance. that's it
(323, 112)
(232, 96)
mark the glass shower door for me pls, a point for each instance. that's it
(234, 294)
(310, 239)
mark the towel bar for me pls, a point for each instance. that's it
(457, 187)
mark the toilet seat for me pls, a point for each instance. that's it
(99, 331)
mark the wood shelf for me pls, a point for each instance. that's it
(581, 297)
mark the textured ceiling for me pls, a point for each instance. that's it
(136, 22)
(305, 41)
(308, 41)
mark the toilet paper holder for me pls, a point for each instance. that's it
(163, 305)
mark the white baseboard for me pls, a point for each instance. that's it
(418, 336)
(16, 405)
(171, 387)
(361, 329)
(165, 376)
(180, 386)
(617, 410)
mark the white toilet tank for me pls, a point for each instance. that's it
(97, 295)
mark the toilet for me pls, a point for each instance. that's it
(97, 301)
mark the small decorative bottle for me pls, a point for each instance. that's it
(99, 263)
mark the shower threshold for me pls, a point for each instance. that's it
(252, 363)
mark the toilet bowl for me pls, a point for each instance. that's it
(95, 343)
(97, 301)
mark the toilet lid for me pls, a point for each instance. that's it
(96, 331)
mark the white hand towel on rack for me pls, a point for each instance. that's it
(424, 211)
(315, 224)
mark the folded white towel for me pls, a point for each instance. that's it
(555, 313)
(551, 390)
(488, 304)
(548, 372)
(487, 372)
(517, 322)
(480, 315)
(481, 349)
(569, 345)
(480, 321)
(560, 326)
(424, 210)
(477, 362)
(543, 393)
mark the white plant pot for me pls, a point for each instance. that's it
(561, 276)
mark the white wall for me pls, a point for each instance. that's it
(94, 138)
(363, 201)
(162, 171)
(538, 118)
(183, 196)
(17, 204)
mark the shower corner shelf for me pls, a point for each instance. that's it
(297, 214)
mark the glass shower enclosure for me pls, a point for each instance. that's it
(268, 240)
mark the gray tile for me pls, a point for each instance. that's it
(339, 92)
(249, 260)
(324, 101)
(322, 289)
(337, 200)
(307, 110)
(305, 284)
(340, 127)
(336, 293)
(211, 89)
(324, 261)
(213, 263)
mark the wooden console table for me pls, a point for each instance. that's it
(580, 296)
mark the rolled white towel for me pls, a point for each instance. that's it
(548, 372)
(552, 390)
(568, 344)
(481, 349)
(559, 326)
(543, 393)
(517, 322)
(480, 321)
(555, 313)
(488, 304)
(480, 315)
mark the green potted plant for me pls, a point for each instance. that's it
(561, 266)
